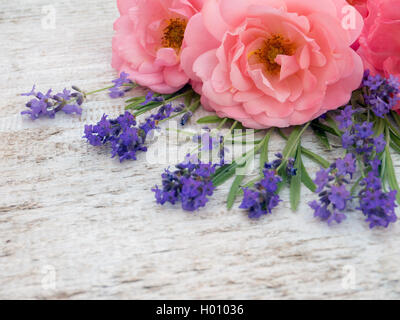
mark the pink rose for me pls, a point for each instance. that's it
(272, 62)
(380, 39)
(148, 41)
(361, 6)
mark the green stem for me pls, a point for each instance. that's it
(233, 126)
(192, 108)
(222, 123)
(107, 88)
(293, 147)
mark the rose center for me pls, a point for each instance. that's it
(271, 48)
(174, 33)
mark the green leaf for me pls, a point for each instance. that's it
(391, 174)
(188, 99)
(225, 173)
(395, 147)
(294, 139)
(234, 191)
(306, 179)
(324, 128)
(394, 138)
(316, 158)
(357, 99)
(333, 125)
(396, 118)
(379, 127)
(321, 135)
(264, 151)
(295, 183)
(309, 154)
(135, 99)
(290, 148)
(209, 119)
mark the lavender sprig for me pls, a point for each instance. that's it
(122, 85)
(70, 101)
(123, 134)
(378, 206)
(380, 94)
(191, 184)
(47, 105)
(263, 197)
(332, 189)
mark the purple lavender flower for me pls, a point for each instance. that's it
(121, 86)
(151, 97)
(47, 105)
(339, 196)
(381, 94)
(346, 117)
(206, 141)
(191, 184)
(378, 206)
(263, 198)
(359, 139)
(348, 140)
(346, 166)
(123, 134)
(322, 179)
(380, 143)
(186, 117)
(332, 190)
(290, 169)
(364, 130)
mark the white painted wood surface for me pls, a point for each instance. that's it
(76, 224)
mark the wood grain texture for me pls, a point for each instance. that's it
(72, 217)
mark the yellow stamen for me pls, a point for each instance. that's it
(174, 33)
(271, 48)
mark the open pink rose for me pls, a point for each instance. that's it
(361, 6)
(272, 62)
(380, 39)
(148, 41)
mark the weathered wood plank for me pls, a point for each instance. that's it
(72, 217)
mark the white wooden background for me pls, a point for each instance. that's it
(76, 224)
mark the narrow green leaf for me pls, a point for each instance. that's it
(321, 135)
(394, 138)
(395, 147)
(264, 151)
(333, 125)
(309, 154)
(221, 169)
(234, 191)
(188, 99)
(316, 158)
(391, 174)
(295, 182)
(226, 172)
(379, 127)
(325, 128)
(357, 99)
(290, 148)
(135, 99)
(306, 179)
(222, 178)
(209, 119)
(396, 118)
